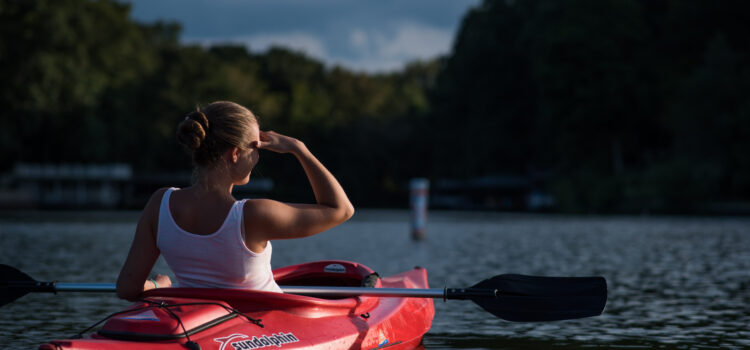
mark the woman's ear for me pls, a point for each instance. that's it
(233, 155)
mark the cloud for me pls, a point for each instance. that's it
(415, 41)
(358, 39)
(374, 49)
(306, 43)
(369, 65)
(389, 48)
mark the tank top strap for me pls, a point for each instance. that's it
(164, 207)
(238, 211)
(239, 207)
(164, 213)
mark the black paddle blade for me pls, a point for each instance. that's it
(10, 280)
(529, 298)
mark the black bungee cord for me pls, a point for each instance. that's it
(163, 305)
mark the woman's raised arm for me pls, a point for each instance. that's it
(269, 219)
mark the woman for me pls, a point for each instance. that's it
(208, 238)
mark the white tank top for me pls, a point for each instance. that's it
(217, 260)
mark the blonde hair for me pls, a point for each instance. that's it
(209, 131)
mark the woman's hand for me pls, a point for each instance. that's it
(163, 281)
(279, 143)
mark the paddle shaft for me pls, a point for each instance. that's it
(54, 287)
(449, 293)
(511, 297)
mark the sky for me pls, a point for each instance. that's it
(362, 35)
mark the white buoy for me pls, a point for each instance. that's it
(419, 189)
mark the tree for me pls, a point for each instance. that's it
(57, 58)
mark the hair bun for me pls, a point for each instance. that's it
(193, 130)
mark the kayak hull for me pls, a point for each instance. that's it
(169, 318)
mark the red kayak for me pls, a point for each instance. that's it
(226, 319)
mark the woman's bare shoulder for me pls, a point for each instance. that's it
(152, 206)
(265, 215)
(258, 208)
(157, 196)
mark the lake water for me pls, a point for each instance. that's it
(674, 282)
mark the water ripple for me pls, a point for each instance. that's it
(674, 282)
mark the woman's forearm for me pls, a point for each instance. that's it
(326, 188)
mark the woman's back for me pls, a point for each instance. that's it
(218, 259)
(199, 213)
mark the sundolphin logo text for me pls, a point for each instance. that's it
(242, 341)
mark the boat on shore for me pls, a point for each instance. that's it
(226, 319)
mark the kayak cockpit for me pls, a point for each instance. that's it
(321, 273)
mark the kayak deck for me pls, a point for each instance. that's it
(168, 318)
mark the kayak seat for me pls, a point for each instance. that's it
(319, 273)
(334, 273)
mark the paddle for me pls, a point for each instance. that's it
(516, 298)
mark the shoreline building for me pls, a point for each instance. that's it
(66, 185)
(94, 186)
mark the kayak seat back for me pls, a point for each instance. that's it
(333, 273)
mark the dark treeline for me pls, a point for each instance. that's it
(621, 105)
(610, 106)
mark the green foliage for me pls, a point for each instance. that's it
(611, 106)
(57, 58)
